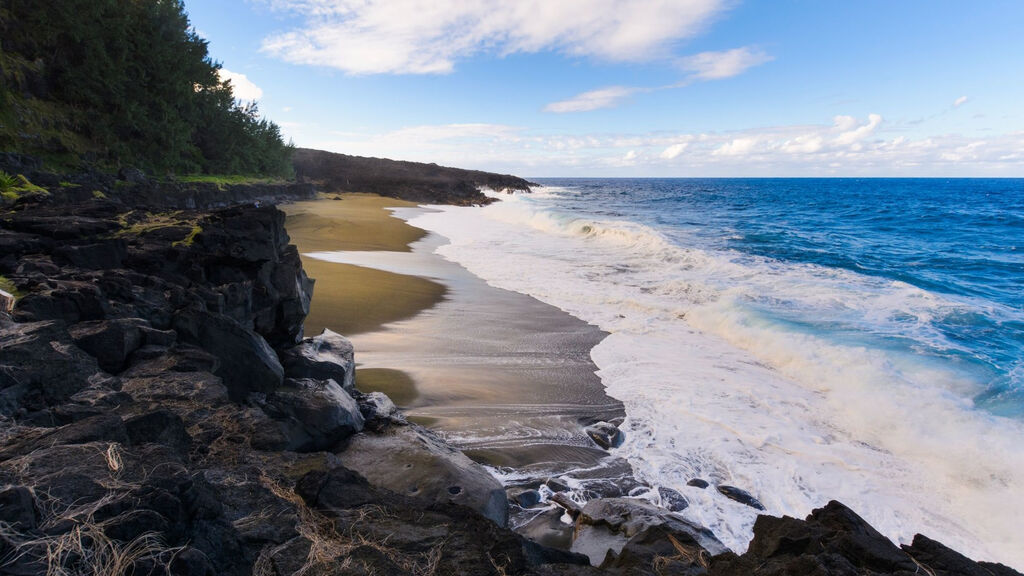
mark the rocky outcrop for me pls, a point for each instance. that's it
(835, 540)
(412, 461)
(427, 183)
(146, 413)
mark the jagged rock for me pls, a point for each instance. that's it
(40, 366)
(605, 435)
(698, 483)
(832, 540)
(942, 561)
(568, 504)
(739, 495)
(328, 356)
(414, 462)
(379, 411)
(97, 256)
(19, 507)
(607, 524)
(556, 485)
(672, 500)
(316, 414)
(247, 363)
(160, 426)
(547, 529)
(67, 300)
(111, 342)
(335, 488)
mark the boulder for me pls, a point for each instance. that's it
(316, 414)
(523, 497)
(247, 363)
(412, 461)
(379, 411)
(698, 483)
(739, 495)
(547, 529)
(329, 356)
(111, 342)
(605, 435)
(607, 524)
(672, 500)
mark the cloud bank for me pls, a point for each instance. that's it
(416, 37)
(847, 146)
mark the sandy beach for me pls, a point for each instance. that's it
(501, 375)
(355, 299)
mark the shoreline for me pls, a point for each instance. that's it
(500, 375)
(178, 414)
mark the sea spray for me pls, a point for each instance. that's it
(796, 380)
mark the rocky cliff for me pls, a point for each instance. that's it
(414, 181)
(160, 413)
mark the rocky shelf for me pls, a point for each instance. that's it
(161, 410)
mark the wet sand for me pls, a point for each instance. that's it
(355, 299)
(501, 375)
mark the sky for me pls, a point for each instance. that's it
(638, 88)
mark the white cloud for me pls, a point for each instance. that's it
(593, 100)
(416, 37)
(850, 135)
(717, 65)
(704, 66)
(673, 150)
(736, 147)
(241, 86)
(959, 101)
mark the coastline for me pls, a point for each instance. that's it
(156, 392)
(502, 376)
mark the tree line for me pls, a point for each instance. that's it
(124, 83)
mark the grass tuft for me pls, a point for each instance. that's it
(191, 238)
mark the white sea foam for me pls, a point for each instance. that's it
(717, 389)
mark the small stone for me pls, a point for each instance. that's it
(698, 483)
(739, 495)
(605, 435)
(672, 500)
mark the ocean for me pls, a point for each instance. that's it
(803, 339)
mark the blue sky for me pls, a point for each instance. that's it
(638, 87)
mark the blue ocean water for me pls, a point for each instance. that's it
(961, 240)
(807, 340)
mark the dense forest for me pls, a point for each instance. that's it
(118, 83)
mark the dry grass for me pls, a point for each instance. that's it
(684, 554)
(85, 549)
(71, 542)
(331, 547)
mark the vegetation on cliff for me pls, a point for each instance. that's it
(122, 83)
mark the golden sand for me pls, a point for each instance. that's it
(352, 299)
